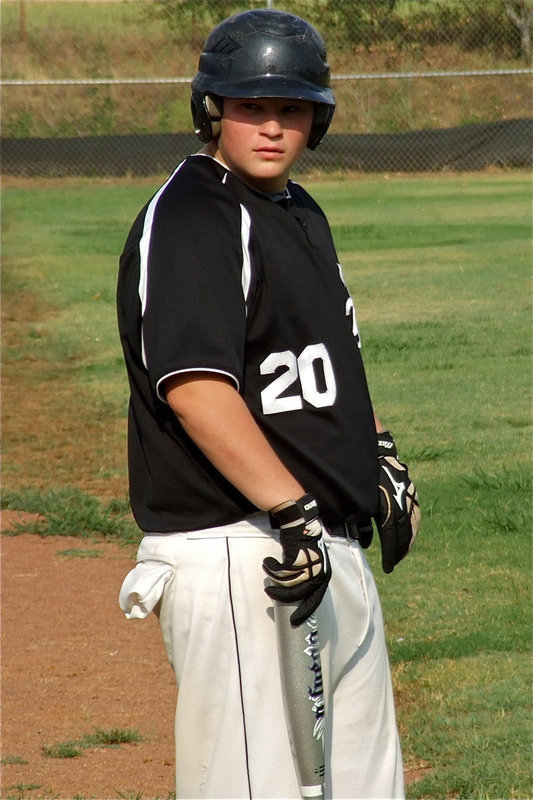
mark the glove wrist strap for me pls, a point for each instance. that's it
(295, 512)
(386, 446)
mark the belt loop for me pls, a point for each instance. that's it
(352, 531)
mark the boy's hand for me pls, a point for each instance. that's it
(305, 571)
(398, 519)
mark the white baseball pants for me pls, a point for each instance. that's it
(218, 630)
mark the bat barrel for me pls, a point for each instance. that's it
(303, 695)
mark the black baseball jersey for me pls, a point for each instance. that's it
(217, 277)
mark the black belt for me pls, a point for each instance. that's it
(344, 530)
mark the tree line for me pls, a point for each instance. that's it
(501, 26)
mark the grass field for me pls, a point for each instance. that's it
(439, 268)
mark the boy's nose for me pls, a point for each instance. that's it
(271, 127)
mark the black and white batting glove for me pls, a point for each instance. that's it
(398, 518)
(305, 571)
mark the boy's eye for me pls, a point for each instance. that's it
(295, 108)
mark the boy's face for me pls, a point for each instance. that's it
(260, 139)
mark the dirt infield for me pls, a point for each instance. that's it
(71, 663)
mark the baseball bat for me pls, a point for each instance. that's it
(303, 698)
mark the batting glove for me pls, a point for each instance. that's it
(398, 518)
(305, 571)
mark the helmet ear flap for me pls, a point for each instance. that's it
(322, 116)
(206, 112)
(213, 106)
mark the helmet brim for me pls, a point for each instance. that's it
(268, 86)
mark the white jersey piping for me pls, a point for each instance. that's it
(246, 275)
(160, 382)
(144, 246)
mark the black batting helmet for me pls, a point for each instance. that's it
(262, 53)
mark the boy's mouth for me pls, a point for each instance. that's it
(269, 151)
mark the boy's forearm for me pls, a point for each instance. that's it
(379, 425)
(218, 421)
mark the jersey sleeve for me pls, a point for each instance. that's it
(191, 286)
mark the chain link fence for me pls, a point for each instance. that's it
(100, 88)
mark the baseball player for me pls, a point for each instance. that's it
(255, 467)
